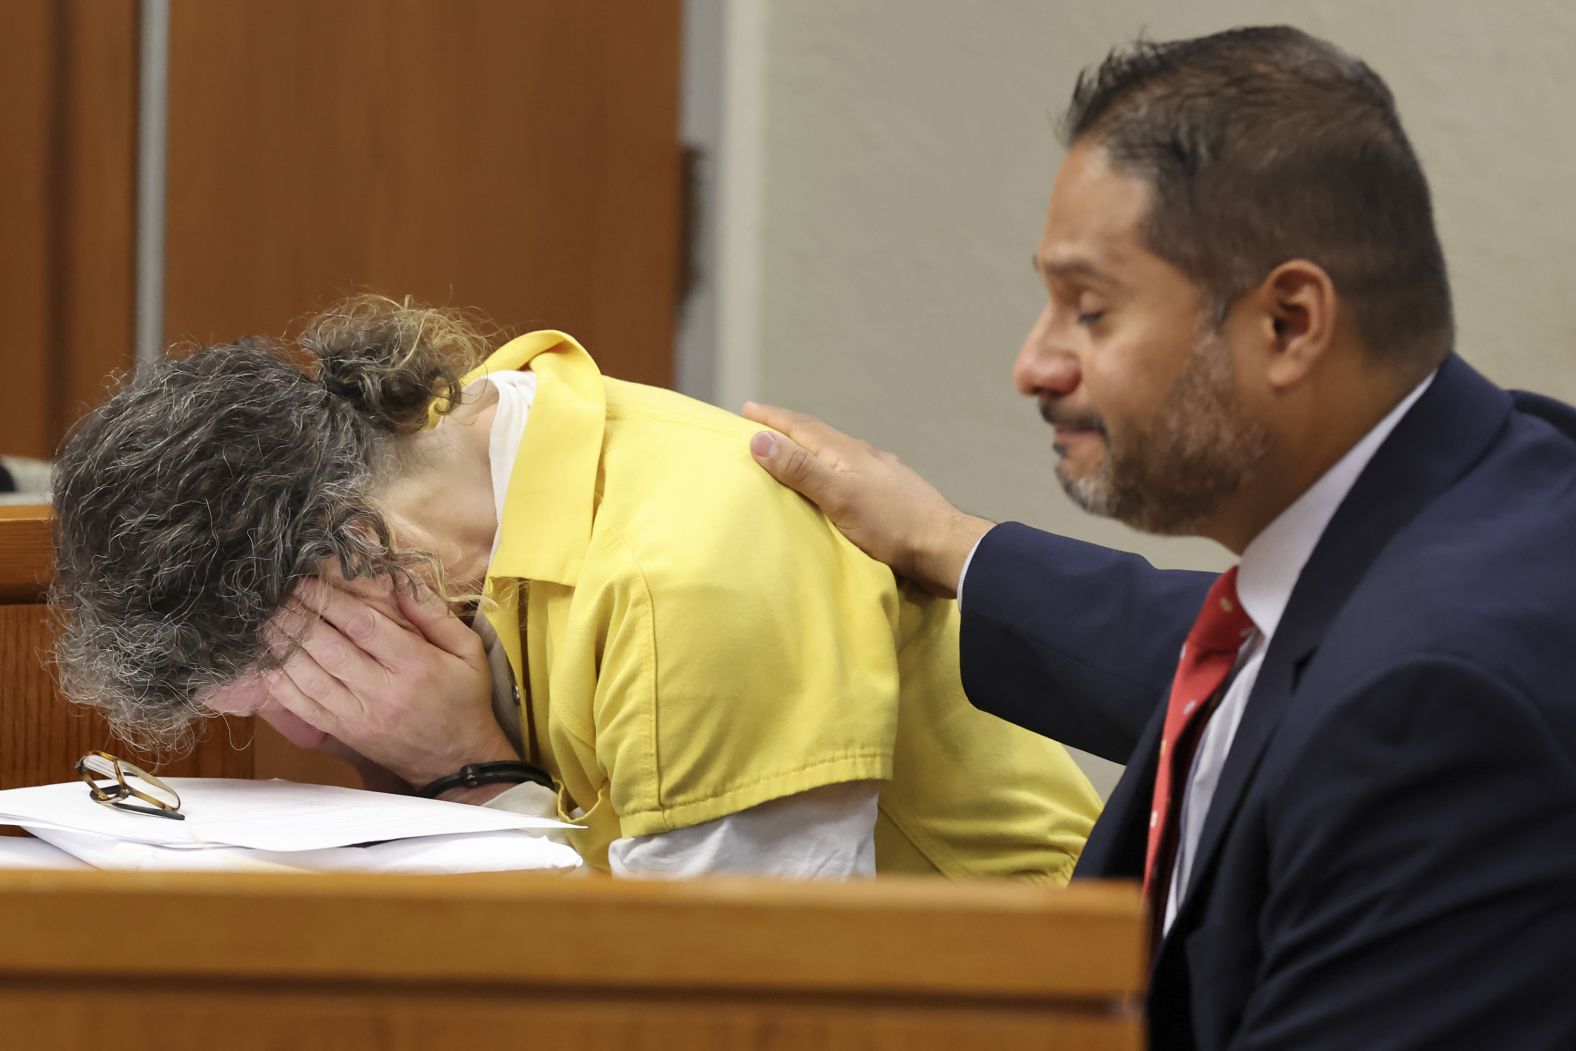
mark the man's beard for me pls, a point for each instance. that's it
(1177, 469)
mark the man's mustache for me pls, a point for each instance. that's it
(1057, 414)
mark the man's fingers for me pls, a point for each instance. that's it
(793, 465)
(807, 431)
(775, 416)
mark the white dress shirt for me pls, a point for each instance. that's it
(1271, 564)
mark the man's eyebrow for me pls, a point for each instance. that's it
(1065, 269)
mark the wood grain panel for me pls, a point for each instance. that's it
(29, 65)
(343, 963)
(273, 756)
(136, 1018)
(895, 936)
(517, 156)
(68, 119)
(891, 935)
(26, 553)
(97, 228)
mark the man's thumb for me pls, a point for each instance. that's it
(786, 461)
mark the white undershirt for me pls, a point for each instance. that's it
(825, 833)
(516, 391)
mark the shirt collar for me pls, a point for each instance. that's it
(512, 410)
(1273, 560)
(545, 524)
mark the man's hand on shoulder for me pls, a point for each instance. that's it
(878, 502)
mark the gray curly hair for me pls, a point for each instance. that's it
(189, 505)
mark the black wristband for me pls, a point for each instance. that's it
(474, 775)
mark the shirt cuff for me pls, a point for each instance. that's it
(528, 798)
(964, 572)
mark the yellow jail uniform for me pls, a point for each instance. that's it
(691, 639)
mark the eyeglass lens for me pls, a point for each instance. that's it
(121, 784)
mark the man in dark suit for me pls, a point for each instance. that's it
(1352, 798)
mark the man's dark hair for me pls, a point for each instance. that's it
(1266, 144)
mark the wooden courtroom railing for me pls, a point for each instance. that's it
(174, 961)
(345, 963)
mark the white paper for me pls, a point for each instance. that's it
(17, 852)
(472, 852)
(265, 815)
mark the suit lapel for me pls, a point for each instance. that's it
(1116, 844)
(1433, 445)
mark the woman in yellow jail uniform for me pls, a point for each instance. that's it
(712, 676)
(698, 641)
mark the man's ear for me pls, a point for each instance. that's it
(1300, 307)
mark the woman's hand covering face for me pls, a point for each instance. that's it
(392, 674)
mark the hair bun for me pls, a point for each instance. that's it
(389, 360)
(339, 379)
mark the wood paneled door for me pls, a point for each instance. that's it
(68, 119)
(516, 156)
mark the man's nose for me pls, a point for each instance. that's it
(1042, 367)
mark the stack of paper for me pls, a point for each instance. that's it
(279, 825)
(19, 853)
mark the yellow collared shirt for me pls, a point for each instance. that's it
(698, 640)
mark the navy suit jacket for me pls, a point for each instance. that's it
(1390, 857)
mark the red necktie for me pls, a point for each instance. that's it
(1207, 659)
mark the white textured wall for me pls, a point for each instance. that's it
(907, 155)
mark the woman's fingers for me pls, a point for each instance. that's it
(322, 676)
(354, 622)
(289, 725)
(376, 591)
(415, 701)
(431, 616)
(303, 703)
(384, 627)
